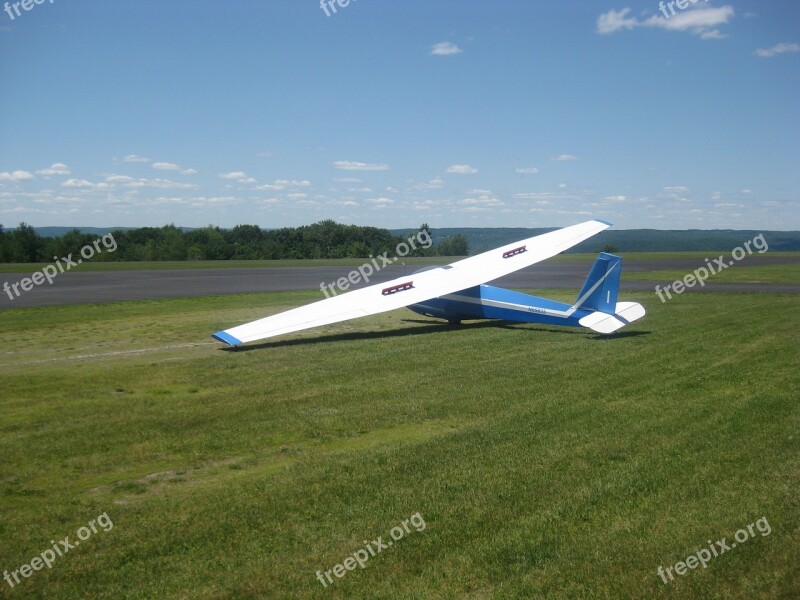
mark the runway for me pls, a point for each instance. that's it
(76, 287)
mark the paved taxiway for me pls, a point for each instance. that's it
(87, 287)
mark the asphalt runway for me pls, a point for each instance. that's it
(76, 287)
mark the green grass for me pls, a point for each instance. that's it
(546, 462)
(738, 273)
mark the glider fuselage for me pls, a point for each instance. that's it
(490, 302)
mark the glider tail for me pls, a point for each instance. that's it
(599, 295)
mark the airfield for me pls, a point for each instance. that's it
(545, 461)
(187, 281)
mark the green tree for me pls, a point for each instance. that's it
(455, 245)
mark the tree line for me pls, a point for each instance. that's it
(326, 239)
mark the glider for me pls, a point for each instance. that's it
(459, 292)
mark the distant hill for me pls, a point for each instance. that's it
(624, 240)
(98, 231)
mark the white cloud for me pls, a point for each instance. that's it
(618, 198)
(15, 176)
(614, 20)
(746, 191)
(119, 179)
(282, 184)
(713, 34)
(54, 169)
(701, 21)
(189, 172)
(483, 198)
(676, 189)
(349, 165)
(544, 196)
(239, 176)
(462, 169)
(528, 171)
(166, 166)
(564, 157)
(433, 184)
(164, 184)
(697, 20)
(78, 183)
(776, 49)
(445, 49)
(87, 185)
(135, 158)
(381, 201)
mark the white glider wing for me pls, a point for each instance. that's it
(415, 288)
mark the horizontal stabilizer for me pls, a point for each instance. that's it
(624, 313)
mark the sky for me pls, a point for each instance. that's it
(454, 113)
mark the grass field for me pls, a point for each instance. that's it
(754, 273)
(545, 462)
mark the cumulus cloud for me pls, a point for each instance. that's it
(282, 184)
(86, 185)
(544, 196)
(119, 179)
(462, 169)
(702, 21)
(135, 158)
(615, 20)
(564, 157)
(528, 171)
(78, 183)
(164, 184)
(15, 176)
(433, 184)
(166, 166)
(239, 176)
(54, 169)
(349, 165)
(483, 198)
(776, 49)
(445, 49)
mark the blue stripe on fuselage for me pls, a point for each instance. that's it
(489, 302)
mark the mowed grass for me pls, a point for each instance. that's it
(546, 462)
(738, 273)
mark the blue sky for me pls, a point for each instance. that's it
(467, 113)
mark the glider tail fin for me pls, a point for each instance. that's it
(599, 292)
(599, 295)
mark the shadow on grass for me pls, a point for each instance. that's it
(619, 335)
(428, 327)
